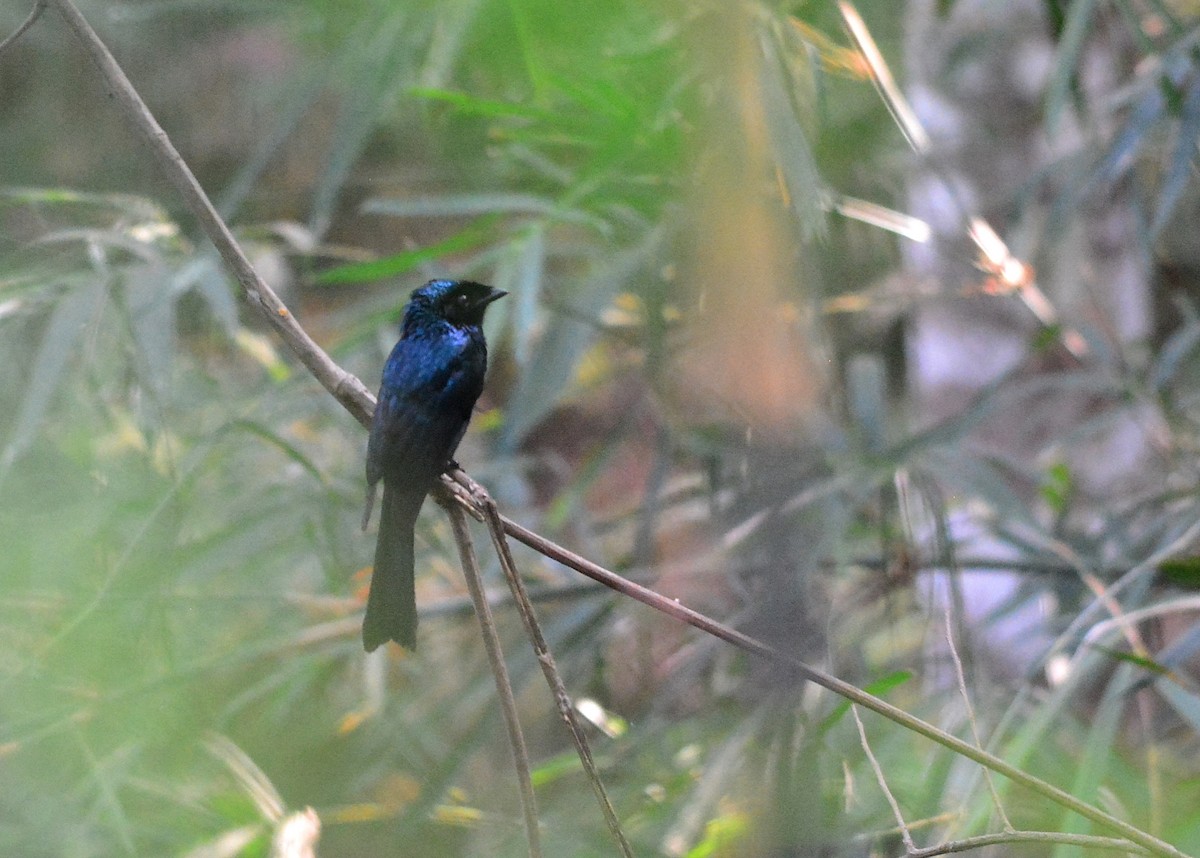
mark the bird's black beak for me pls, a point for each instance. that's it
(493, 295)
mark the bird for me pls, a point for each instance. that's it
(431, 382)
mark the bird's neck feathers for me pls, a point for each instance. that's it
(421, 319)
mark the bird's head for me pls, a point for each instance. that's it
(460, 302)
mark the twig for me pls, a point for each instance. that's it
(905, 834)
(34, 14)
(508, 704)
(558, 689)
(962, 689)
(1050, 837)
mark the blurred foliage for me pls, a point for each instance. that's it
(182, 571)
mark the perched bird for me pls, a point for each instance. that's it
(430, 384)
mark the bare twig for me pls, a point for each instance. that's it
(905, 834)
(34, 14)
(1089, 841)
(508, 704)
(962, 689)
(562, 699)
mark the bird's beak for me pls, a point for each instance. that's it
(494, 295)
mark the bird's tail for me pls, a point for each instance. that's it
(392, 602)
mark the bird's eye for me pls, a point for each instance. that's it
(462, 301)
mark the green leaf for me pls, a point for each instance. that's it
(527, 288)
(879, 688)
(555, 768)
(459, 205)
(1184, 702)
(66, 326)
(553, 359)
(1134, 134)
(375, 58)
(1096, 758)
(721, 834)
(1134, 659)
(1058, 487)
(392, 266)
(787, 114)
(1181, 571)
(483, 106)
(1182, 343)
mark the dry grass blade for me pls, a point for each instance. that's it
(885, 83)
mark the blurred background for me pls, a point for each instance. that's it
(834, 367)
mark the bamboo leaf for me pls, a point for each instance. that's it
(401, 263)
(1180, 169)
(1070, 51)
(49, 365)
(787, 114)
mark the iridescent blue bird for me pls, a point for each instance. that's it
(430, 384)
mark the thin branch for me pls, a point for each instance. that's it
(905, 834)
(1089, 841)
(962, 689)
(558, 689)
(508, 704)
(34, 14)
